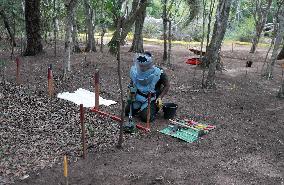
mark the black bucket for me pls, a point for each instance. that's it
(169, 110)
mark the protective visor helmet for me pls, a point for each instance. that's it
(143, 62)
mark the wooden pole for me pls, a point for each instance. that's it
(97, 89)
(18, 71)
(50, 81)
(113, 117)
(65, 166)
(83, 130)
(118, 57)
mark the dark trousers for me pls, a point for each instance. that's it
(143, 114)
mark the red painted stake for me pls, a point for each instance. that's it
(18, 71)
(50, 81)
(97, 89)
(83, 130)
(116, 118)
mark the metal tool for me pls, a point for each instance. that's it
(130, 126)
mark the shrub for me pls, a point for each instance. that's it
(243, 31)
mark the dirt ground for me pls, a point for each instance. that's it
(247, 146)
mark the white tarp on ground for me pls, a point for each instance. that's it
(85, 97)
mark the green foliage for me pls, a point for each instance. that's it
(155, 9)
(241, 24)
(152, 28)
(243, 31)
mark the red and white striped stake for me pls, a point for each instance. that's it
(83, 130)
(18, 71)
(50, 81)
(97, 89)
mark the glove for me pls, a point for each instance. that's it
(159, 103)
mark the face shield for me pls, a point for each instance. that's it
(143, 63)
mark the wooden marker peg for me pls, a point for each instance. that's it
(83, 130)
(18, 71)
(50, 81)
(97, 89)
(65, 166)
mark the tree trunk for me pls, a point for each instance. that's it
(260, 17)
(277, 42)
(137, 43)
(126, 25)
(24, 39)
(281, 54)
(170, 43)
(76, 47)
(102, 38)
(120, 138)
(91, 46)
(7, 26)
(55, 27)
(70, 7)
(212, 5)
(32, 16)
(165, 55)
(212, 55)
(281, 90)
(103, 27)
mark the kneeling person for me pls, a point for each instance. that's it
(146, 78)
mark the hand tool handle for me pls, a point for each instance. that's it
(149, 111)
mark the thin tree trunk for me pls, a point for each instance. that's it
(55, 26)
(212, 5)
(165, 21)
(281, 90)
(14, 35)
(170, 43)
(126, 25)
(24, 42)
(281, 54)
(137, 43)
(32, 16)
(102, 38)
(277, 41)
(202, 41)
(91, 46)
(76, 47)
(70, 6)
(44, 22)
(238, 11)
(120, 139)
(102, 26)
(213, 53)
(260, 17)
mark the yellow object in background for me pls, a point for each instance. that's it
(199, 126)
(159, 103)
(65, 166)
